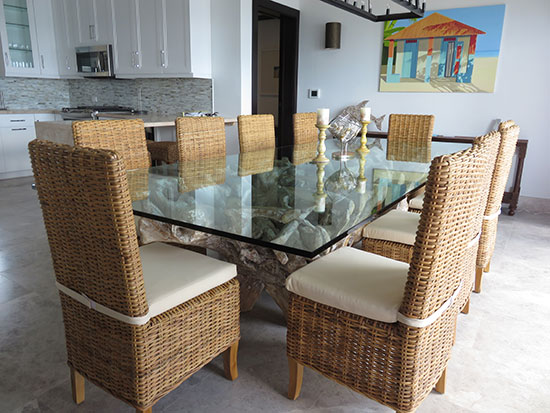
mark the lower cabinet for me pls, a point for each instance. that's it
(14, 144)
(16, 131)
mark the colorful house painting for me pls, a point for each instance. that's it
(453, 38)
(439, 51)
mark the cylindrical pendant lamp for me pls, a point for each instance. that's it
(333, 32)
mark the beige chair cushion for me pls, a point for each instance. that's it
(353, 280)
(417, 202)
(395, 226)
(174, 275)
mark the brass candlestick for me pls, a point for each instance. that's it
(361, 180)
(320, 195)
(363, 148)
(321, 158)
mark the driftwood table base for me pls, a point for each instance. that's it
(258, 267)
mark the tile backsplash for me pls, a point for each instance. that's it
(31, 93)
(166, 96)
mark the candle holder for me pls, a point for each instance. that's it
(361, 180)
(363, 148)
(320, 196)
(321, 148)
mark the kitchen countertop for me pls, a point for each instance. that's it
(25, 111)
(155, 120)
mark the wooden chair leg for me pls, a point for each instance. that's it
(487, 267)
(230, 361)
(440, 385)
(77, 386)
(149, 410)
(479, 276)
(466, 308)
(296, 373)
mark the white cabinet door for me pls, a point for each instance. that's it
(15, 141)
(2, 164)
(149, 37)
(65, 35)
(45, 34)
(18, 38)
(175, 33)
(94, 22)
(126, 52)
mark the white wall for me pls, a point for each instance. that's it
(349, 75)
(231, 22)
(522, 92)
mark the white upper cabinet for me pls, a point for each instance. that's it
(18, 37)
(94, 22)
(65, 29)
(162, 38)
(47, 50)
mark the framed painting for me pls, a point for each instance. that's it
(453, 50)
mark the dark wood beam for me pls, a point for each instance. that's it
(416, 11)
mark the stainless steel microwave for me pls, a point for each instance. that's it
(95, 61)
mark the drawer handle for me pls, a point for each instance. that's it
(17, 120)
(18, 129)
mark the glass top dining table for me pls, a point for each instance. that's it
(278, 198)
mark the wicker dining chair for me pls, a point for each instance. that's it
(381, 327)
(127, 138)
(305, 130)
(393, 234)
(256, 132)
(200, 137)
(138, 320)
(124, 136)
(163, 151)
(510, 133)
(410, 137)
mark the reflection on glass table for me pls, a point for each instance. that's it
(265, 199)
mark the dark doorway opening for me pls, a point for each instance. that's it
(275, 30)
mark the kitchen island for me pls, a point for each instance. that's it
(163, 126)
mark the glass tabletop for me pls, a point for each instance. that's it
(277, 198)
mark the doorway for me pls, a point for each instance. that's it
(275, 30)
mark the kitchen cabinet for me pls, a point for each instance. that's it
(27, 38)
(162, 38)
(18, 38)
(16, 131)
(47, 51)
(65, 29)
(94, 22)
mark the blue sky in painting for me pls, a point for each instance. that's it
(486, 18)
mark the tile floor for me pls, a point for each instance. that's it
(501, 362)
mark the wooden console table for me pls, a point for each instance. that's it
(511, 198)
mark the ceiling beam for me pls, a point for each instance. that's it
(416, 11)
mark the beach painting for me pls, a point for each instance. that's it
(452, 50)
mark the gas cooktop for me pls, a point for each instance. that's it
(94, 111)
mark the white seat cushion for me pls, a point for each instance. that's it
(396, 226)
(174, 275)
(417, 202)
(353, 280)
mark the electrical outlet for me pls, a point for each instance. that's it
(314, 93)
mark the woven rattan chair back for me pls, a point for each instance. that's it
(256, 132)
(126, 137)
(410, 137)
(88, 216)
(444, 251)
(200, 137)
(305, 130)
(510, 133)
